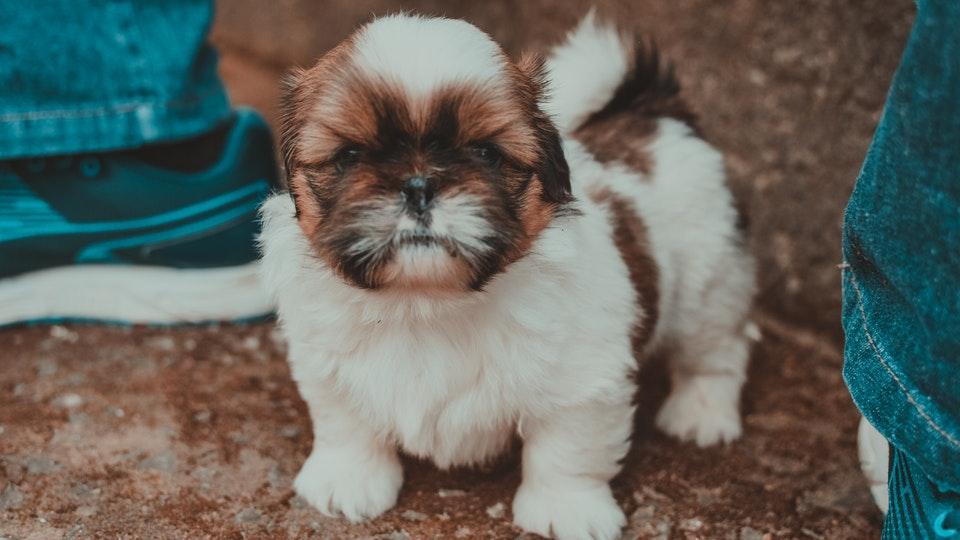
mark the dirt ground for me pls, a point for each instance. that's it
(197, 432)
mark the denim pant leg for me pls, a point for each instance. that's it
(901, 247)
(87, 76)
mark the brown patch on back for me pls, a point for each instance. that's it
(630, 237)
(623, 128)
(623, 137)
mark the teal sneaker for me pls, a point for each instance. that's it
(130, 237)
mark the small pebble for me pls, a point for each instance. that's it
(653, 494)
(202, 417)
(117, 412)
(248, 515)
(757, 77)
(643, 513)
(413, 515)
(46, 367)
(707, 496)
(445, 493)
(83, 491)
(463, 532)
(496, 511)
(162, 343)
(68, 400)
(251, 343)
(290, 432)
(276, 478)
(63, 334)
(692, 524)
(86, 511)
(645, 524)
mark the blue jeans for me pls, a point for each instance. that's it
(901, 246)
(79, 76)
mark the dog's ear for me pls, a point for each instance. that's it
(290, 119)
(551, 169)
(291, 124)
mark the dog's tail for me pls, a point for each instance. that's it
(599, 71)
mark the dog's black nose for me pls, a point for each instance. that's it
(418, 194)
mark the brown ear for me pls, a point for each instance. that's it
(551, 169)
(291, 123)
(290, 119)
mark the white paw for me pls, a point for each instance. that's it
(571, 514)
(341, 482)
(692, 414)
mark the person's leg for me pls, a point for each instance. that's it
(918, 508)
(901, 279)
(97, 76)
(128, 187)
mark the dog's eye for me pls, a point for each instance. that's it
(346, 157)
(487, 153)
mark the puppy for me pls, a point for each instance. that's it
(475, 249)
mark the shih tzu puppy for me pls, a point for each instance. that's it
(475, 249)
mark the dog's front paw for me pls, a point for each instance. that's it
(691, 414)
(338, 482)
(573, 514)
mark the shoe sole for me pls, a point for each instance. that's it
(134, 295)
(874, 454)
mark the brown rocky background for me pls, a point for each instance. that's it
(194, 433)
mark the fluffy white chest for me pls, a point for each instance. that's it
(451, 390)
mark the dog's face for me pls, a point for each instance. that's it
(418, 156)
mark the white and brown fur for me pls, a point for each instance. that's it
(602, 230)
